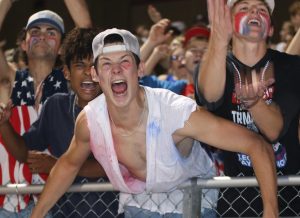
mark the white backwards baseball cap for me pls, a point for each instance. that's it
(271, 3)
(48, 17)
(130, 43)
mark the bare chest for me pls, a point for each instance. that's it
(131, 152)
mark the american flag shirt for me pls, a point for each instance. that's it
(23, 115)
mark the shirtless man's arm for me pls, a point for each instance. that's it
(65, 169)
(223, 134)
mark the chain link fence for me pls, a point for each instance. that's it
(186, 199)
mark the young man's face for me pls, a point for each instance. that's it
(118, 74)
(251, 19)
(81, 81)
(42, 41)
(195, 49)
(176, 64)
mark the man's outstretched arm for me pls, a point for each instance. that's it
(226, 135)
(65, 169)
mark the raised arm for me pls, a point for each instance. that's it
(160, 52)
(268, 119)
(65, 169)
(154, 14)
(79, 12)
(157, 35)
(212, 73)
(226, 135)
(7, 72)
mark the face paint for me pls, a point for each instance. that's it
(240, 23)
(266, 25)
(51, 41)
(32, 41)
(242, 27)
(126, 65)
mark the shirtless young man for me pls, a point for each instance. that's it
(133, 131)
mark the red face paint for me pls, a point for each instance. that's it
(126, 65)
(242, 26)
(240, 23)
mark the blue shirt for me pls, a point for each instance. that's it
(176, 86)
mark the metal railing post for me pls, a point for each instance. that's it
(192, 200)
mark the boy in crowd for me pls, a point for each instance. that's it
(28, 89)
(255, 87)
(54, 130)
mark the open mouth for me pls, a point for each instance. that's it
(119, 87)
(88, 85)
(254, 22)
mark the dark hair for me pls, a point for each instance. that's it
(114, 38)
(77, 45)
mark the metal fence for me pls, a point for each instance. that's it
(192, 194)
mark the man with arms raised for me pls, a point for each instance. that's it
(133, 131)
(255, 87)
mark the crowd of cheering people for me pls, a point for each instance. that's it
(149, 110)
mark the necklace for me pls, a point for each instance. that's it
(73, 108)
(138, 125)
(238, 76)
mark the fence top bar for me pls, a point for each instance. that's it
(215, 182)
(36, 189)
(225, 182)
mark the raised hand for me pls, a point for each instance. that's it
(251, 86)
(158, 32)
(154, 14)
(220, 21)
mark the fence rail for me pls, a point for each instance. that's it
(215, 182)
